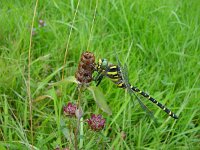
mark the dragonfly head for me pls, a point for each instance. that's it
(103, 63)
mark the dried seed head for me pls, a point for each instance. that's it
(85, 67)
(96, 122)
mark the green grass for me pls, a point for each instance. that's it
(159, 41)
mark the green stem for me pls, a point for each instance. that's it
(81, 133)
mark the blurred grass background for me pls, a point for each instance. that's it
(159, 41)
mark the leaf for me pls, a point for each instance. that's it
(70, 79)
(42, 97)
(2, 147)
(100, 99)
(64, 129)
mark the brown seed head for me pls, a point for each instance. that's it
(85, 67)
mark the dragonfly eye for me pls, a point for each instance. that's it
(104, 63)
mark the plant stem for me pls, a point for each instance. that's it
(81, 133)
(78, 118)
(75, 139)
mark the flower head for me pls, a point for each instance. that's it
(85, 68)
(42, 23)
(96, 122)
(70, 109)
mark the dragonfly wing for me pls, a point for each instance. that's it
(124, 73)
(146, 109)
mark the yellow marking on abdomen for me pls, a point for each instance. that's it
(112, 73)
(170, 113)
(114, 80)
(120, 84)
(113, 67)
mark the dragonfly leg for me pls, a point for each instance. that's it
(98, 78)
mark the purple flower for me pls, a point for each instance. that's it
(42, 23)
(70, 109)
(96, 122)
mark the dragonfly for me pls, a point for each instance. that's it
(119, 76)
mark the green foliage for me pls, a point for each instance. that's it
(100, 99)
(159, 41)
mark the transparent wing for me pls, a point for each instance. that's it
(145, 108)
(125, 76)
(124, 73)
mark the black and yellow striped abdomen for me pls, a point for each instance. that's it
(135, 89)
(114, 73)
(115, 76)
